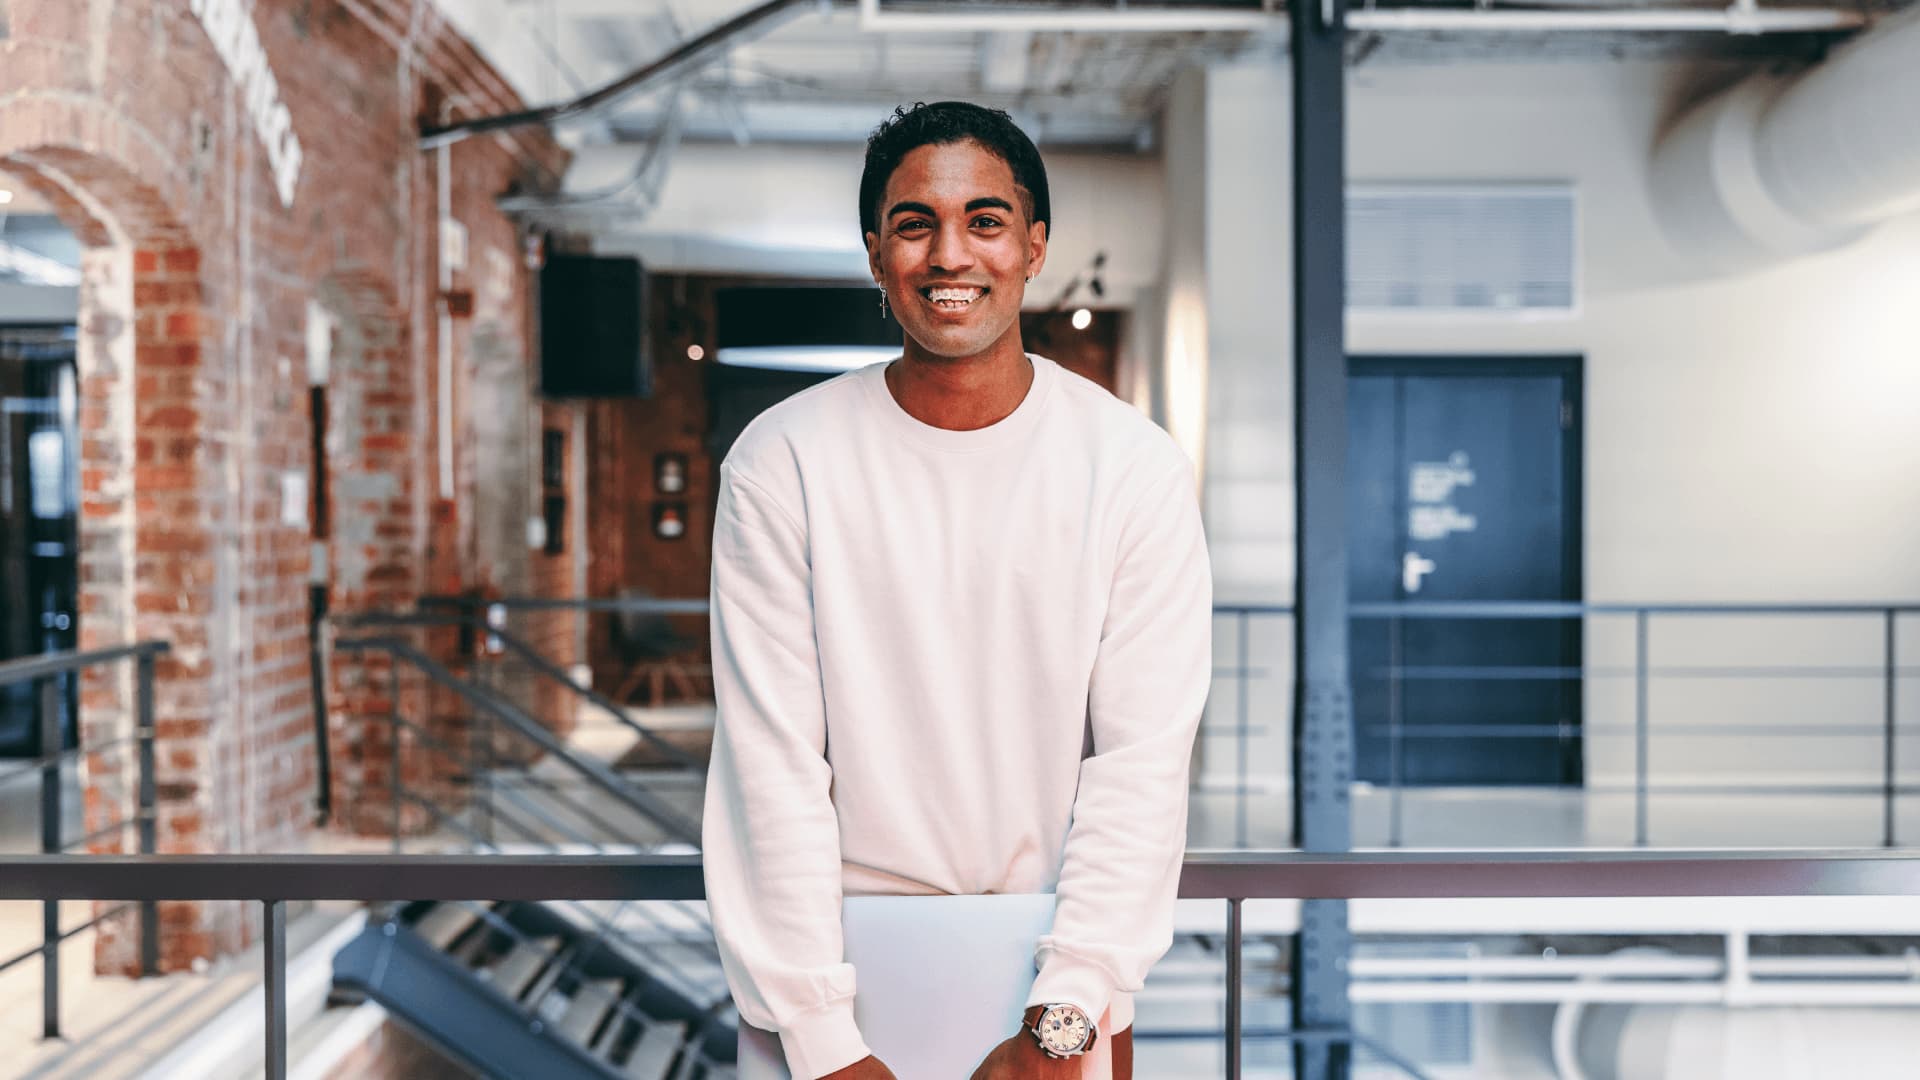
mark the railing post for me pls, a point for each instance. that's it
(1889, 786)
(1240, 770)
(486, 776)
(1395, 748)
(393, 743)
(1234, 1023)
(51, 745)
(144, 734)
(1640, 729)
(274, 945)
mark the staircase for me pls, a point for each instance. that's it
(551, 991)
(537, 991)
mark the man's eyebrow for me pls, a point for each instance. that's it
(985, 202)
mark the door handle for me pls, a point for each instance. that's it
(1412, 569)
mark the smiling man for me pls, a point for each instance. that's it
(961, 618)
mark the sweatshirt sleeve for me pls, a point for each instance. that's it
(771, 839)
(1113, 913)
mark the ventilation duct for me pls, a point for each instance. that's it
(1784, 167)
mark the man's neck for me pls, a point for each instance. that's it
(961, 394)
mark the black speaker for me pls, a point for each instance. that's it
(591, 331)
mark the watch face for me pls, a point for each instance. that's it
(1063, 1029)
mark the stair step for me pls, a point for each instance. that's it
(515, 971)
(590, 1004)
(443, 925)
(652, 1057)
(540, 998)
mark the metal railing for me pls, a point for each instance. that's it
(484, 630)
(632, 634)
(273, 881)
(493, 714)
(500, 807)
(1644, 729)
(49, 671)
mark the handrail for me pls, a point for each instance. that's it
(1205, 875)
(537, 662)
(50, 671)
(1642, 672)
(1566, 609)
(643, 605)
(27, 668)
(676, 825)
(273, 880)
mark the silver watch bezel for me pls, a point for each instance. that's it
(1093, 1031)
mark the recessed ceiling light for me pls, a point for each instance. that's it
(696, 353)
(1082, 318)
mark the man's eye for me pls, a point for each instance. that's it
(986, 221)
(912, 226)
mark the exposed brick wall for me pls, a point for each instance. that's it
(193, 378)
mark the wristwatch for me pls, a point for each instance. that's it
(1064, 1030)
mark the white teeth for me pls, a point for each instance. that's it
(961, 296)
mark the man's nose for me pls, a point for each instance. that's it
(950, 250)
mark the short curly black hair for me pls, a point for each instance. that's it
(941, 122)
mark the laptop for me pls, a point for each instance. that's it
(965, 963)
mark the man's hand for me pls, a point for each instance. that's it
(1020, 1058)
(867, 1068)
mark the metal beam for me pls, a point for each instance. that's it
(1323, 708)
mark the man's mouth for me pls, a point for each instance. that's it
(953, 298)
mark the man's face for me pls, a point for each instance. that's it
(955, 249)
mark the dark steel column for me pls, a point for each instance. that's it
(1323, 700)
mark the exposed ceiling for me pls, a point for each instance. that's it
(820, 76)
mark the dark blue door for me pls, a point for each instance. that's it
(1464, 485)
(39, 500)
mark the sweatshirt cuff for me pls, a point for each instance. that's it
(821, 1041)
(1067, 978)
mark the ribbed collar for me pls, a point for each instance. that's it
(1012, 426)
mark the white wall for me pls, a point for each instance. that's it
(1249, 236)
(1751, 439)
(1180, 385)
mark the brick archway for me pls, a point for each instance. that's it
(146, 563)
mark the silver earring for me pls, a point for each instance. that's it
(883, 300)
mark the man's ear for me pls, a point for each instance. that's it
(1036, 248)
(873, 256)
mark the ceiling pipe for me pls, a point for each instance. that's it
(1778, 168)
(694, 51)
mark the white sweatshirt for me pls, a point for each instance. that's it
(950, 662)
